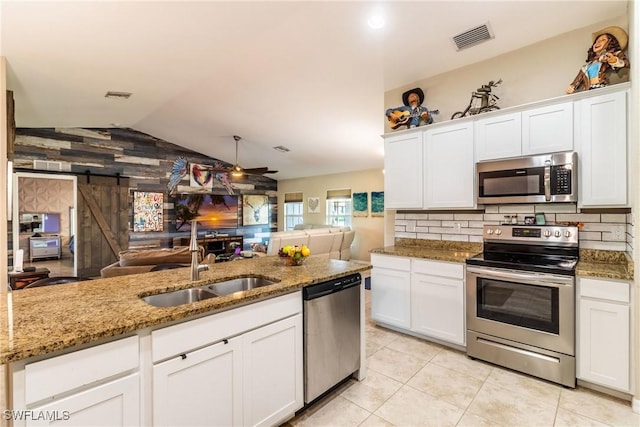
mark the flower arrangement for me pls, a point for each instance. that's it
(294, 255)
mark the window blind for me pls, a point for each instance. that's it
(339, 194)
(292, 197)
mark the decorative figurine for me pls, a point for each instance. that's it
(603, 57)
(488, 101)
(412, 113)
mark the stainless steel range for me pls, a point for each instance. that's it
(521, 300)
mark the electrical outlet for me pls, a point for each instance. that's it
(457, 227)
(618, 233)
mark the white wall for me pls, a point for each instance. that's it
(3, 220)
(369, 230)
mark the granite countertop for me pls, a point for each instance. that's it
(43, 320)
(593, 263)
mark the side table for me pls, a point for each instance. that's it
(20, 280)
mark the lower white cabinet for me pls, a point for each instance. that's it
(437, 300)
(421, 296)
(391, 290)
(603, 333)
(242, 367)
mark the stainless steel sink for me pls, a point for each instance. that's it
(239, 284)
(183, 296)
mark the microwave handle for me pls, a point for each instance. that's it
(547, 180)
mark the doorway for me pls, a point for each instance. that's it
(44, 221)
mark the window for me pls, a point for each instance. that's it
(339, 208)
(293, 210)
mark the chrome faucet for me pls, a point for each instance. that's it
(193, 248)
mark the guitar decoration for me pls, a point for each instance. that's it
(398, 118)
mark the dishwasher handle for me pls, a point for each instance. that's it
(325, 288)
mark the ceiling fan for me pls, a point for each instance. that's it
(237, 171)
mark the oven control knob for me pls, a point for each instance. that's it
(489, 231)
(558, 233)
(547, 233)
(498, 232)
(567, 234)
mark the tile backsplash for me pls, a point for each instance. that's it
(605, 229)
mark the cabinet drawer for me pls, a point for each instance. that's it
(604, 289)
(50, 377)
(438, 268)
(45, 251)
(391, 262)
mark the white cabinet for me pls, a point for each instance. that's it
(498, 137)
(602, 150)
(203, 387)
(44, 247)
(449, 169)
(437, 300)
(541, 130)
(272, 375)
(603, 333)
(391, 290)
(99, 385)
(239, 367)
(403, 170)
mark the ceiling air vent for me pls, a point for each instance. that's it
(48, 165)
(473, 36)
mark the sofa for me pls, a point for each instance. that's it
(324, 242)
(135, 261)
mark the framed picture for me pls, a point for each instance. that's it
(200, 176)
(360, 204)
(540, 220)
(255, 210)
(377, 203)
(313, 205)
(147, 211)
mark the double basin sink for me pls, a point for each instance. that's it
(187, 296)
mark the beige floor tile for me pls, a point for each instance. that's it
(395, 364)
(566, 418)
(372, 346)
(411, 407)
(375, 421)
(459, 362)
(381, 335)
(372, 392)
(504, 406)
(525, 385)
(336, 412)
(447, 385)
(416, 347)
(599, 407)
(471, 420)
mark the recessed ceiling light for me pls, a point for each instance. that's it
(376, 22)
(114, 94)
(281, 148)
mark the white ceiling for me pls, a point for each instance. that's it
(309, 75)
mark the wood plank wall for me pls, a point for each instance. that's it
(145, 160)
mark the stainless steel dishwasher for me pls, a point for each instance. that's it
(331, 333)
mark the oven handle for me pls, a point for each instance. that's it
(550, 280)
(547, 180)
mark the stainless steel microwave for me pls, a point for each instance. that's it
(547, 178)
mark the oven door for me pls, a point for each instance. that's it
(531, 308)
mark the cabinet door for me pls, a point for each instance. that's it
(273, 374)
(203, 387)
(547, 129)
(498, 137)
(391, 297)
(449, 170)
(603, 343)
(403, 171)
(437, 307)
(116, 403)
(602, 153)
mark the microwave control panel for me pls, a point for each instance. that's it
(561, 179)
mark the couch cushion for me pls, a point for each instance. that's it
(133, 257)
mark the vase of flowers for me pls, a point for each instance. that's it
(293, 255)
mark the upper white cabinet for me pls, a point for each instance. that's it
(602, 150)
(449, 169)
(547, 129)
(498, 137)
(403, 170)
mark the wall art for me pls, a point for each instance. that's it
(147, 211)
(201, 176)
(313, 205)
(377, 203)
(255, 209)
(360, 205)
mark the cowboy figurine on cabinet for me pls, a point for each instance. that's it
(412, 113)
(603, 57)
